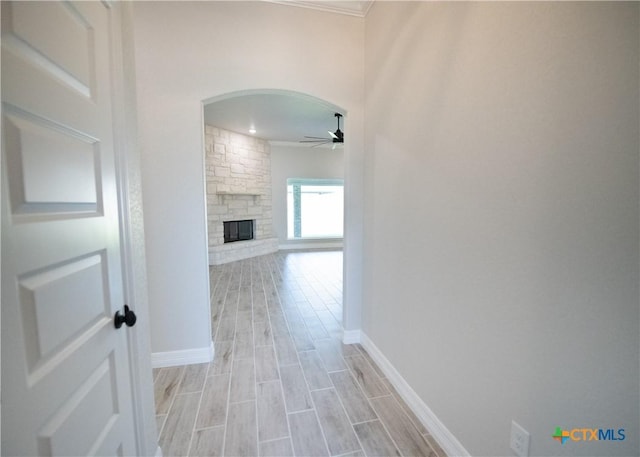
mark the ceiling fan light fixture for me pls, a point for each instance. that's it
(338, 136)
(335, 137)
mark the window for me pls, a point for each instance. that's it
(315, 208)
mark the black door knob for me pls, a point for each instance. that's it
(128, 318)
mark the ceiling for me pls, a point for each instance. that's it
(349, 7)
(275, 116)
(283, 117)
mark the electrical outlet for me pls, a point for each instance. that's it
(519, 440)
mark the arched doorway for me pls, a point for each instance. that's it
(251, 122)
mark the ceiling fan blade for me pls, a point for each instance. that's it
(335, 137)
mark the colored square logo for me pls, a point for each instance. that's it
(561, 435)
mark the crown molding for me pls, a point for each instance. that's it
(358, 8)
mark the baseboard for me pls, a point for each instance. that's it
(184, 357)
(311, 245)
(438, 430)
(351, 336)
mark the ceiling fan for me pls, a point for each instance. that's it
(336, 137)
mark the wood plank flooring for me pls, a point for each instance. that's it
(282, 383)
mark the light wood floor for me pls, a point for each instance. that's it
(282, 383)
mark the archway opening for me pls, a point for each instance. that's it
(256, 164)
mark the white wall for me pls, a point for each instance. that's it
(288, 161)
(187, 52)
(505, 136)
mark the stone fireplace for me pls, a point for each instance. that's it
(238, 171)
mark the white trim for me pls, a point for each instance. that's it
(132, 251)
(306, 245)
(349, 8)
(437, 429)
(183, 357)
(351, 336)
(366, 7)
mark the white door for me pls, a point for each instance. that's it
(65, 370)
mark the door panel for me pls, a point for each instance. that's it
(55, 37)
(65, 378)
(51, 169)
(50, 316)
(92, 408)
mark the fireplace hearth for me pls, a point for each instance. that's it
(238, 230)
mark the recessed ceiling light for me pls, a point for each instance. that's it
(252, 131)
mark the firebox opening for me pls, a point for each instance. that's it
(238, 230)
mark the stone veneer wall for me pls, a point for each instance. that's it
(238, 171)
